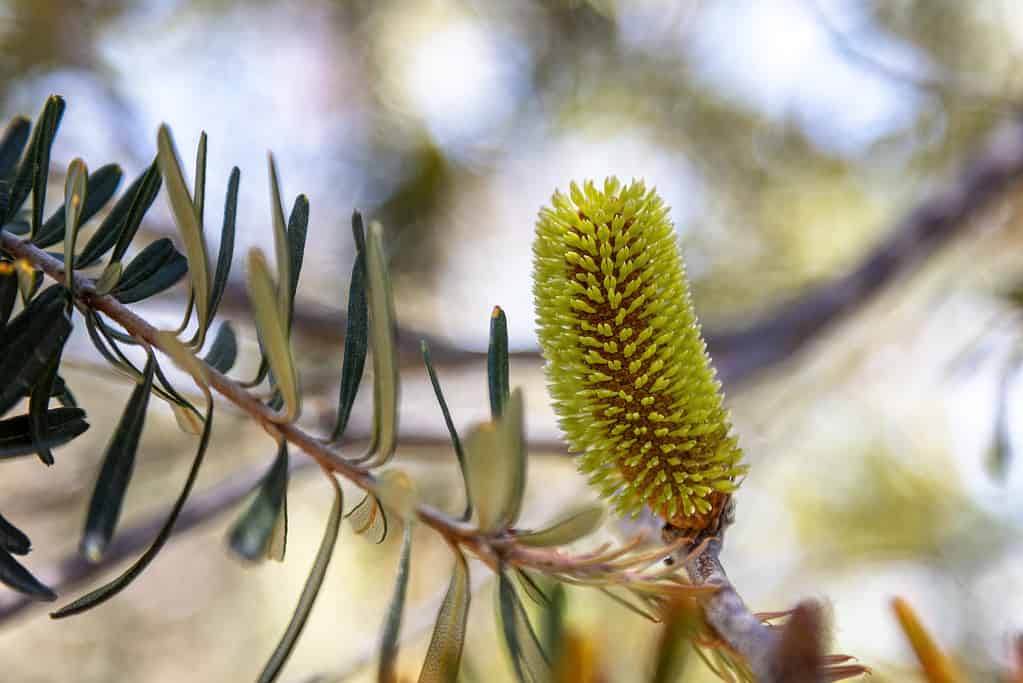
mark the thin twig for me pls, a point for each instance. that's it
(987, 177)
(728, 614)
(936, 80)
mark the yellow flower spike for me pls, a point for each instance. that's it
(632, 383)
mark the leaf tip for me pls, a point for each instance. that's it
(93, 546)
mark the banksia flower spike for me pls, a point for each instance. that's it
(627, 367)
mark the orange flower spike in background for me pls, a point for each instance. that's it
(628, 369)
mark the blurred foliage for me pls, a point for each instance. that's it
(934, 513)
(780, 206)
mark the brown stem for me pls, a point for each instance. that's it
(728, 614)
(988, 176)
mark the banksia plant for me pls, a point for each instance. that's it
(628, 369)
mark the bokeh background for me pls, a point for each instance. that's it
(789, 137)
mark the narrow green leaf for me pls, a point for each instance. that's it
(5, 200)
(262, 371)
(528, 658)
(296, 236)
(182, 356)
(187, 317)
(75, 196)
(251, 536)
(35, 164)
(156, 268)
(224, 350)
(118, 466)
(482, 480)
(385, 354)
(30, 279)
(188, 422)
(199, 193)
(272, 332)
(531, 588)
(119, 227)
(497, 363)
(642, 610)
(512, 451)
(13, 539)
(39, 403)
(151, 277)
(109, 590)
(496, 468)
(12, 143)
(62, 425)
(282, 251)
(682, 624)
(8, 292)
(392, 627)
(569, 529)
(27, 350)
(100, 343)
(309, 591)
(189, 226)
(58, 387)
(63, 393)
(199, 201)
(226, 254)
(53, 296)
(368, 518)
(15, 576)
(278, 544)
(356, 336)
(147, 262)
(298, 225)
(110, 278)
(444, 655)
(188, 417)
(452, 432)
(169, 274)
(41, 171)
(102, 184)
(552, 626)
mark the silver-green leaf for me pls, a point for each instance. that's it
(273, 333)
(392, 627)
(382, 341)
(495, 468)
(568, 529)
(252, 537)
(189, 225)
(117, 469)
(444, 655)
(309, 591)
